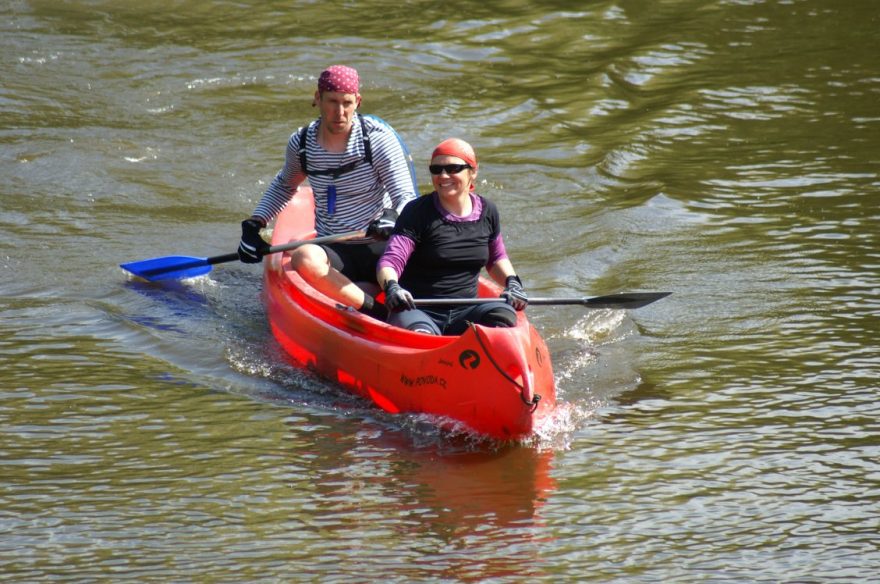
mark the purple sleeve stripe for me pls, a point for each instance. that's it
(497, 251)
(397, 253)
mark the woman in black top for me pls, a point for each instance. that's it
(439, 245)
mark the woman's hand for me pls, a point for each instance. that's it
(514, 294)
(396, 298)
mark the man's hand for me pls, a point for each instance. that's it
(381, 227)
(514, 294)
(252, 246)
(396, 298)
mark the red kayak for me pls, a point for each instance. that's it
(496, 381)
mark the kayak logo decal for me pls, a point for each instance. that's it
(469, 359)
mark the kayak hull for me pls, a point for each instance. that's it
(495, 381)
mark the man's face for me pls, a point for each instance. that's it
(337, 110)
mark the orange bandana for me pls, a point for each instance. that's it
(458, 148)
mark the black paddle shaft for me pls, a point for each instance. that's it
(628, 300)
(233, 257)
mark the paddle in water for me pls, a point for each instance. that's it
(180, 267)
(628, 300)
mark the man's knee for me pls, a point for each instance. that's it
(310, 259)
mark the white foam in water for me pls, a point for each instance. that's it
(555, 432)
(602, 326)
(577, 405)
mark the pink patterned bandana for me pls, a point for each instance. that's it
(338, 78)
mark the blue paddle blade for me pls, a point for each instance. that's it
(168, 268)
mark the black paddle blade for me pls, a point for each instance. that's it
(627, 300)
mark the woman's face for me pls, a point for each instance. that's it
(449, 182)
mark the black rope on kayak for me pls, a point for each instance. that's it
(533, 403)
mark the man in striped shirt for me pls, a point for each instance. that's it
(359, 172)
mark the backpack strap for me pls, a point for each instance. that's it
(368, 150)
(302, 148)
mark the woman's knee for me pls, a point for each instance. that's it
(415, 321)
(498, 316)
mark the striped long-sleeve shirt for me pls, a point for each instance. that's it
(361, 193)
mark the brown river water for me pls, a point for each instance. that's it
(727, 151)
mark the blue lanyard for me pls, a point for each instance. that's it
(331, 199)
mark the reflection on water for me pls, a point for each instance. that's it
(176, 302)
(454, 501)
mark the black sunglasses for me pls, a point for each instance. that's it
(449, 168)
